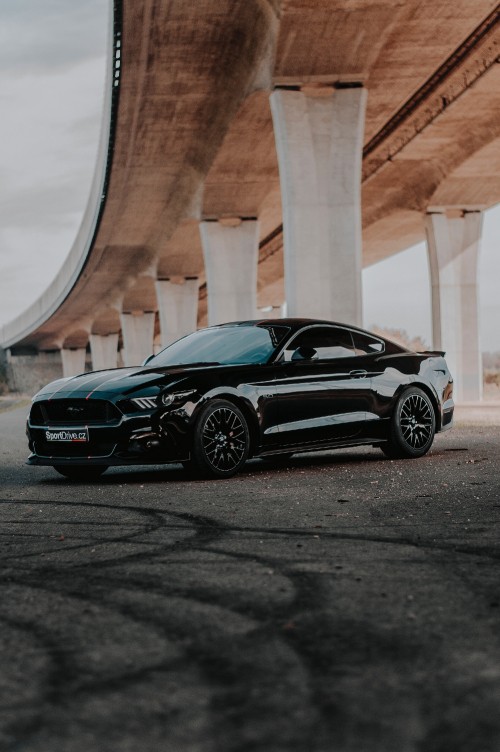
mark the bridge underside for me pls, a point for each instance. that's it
(194, 143)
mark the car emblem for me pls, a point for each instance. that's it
(74, 410)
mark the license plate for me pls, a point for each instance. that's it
(70, 435)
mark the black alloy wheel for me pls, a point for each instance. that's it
(221, 441)
(81, 472)
(413, 426)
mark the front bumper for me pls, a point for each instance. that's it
(134, 440)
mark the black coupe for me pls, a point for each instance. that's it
(248, 389)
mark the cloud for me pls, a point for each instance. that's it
(29, 260)
(46, 205)
(49, 140)
(52, 72)
(45, 37)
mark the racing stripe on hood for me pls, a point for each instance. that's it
(89, 382)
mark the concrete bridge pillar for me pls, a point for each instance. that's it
(453, 240)
(319, 142)
(73, 361)
(104, 349)
(178, 308)
(272, 312)
(138, 334)
(231, 252)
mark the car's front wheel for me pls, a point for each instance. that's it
(221, 441)
(81, 472)
(413, 426)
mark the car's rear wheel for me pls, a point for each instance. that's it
(413, 426)
(79, 472)
(221, 441)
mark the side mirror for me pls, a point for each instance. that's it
(146, 361)
(305, 353)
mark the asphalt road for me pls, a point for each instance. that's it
(343, 603)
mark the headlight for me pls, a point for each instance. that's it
(168, 398)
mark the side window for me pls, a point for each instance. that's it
(328, 342)
(366, 345)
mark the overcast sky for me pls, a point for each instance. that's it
(52, 68)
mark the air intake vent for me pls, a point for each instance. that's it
(74, 412)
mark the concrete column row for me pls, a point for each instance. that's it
(319, 136)
(178, 310)
(319, 141)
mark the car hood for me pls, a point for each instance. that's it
(118, 381)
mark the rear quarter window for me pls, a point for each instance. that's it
(365, 344)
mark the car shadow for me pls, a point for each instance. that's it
(259, 466)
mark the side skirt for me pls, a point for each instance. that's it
(319, 447)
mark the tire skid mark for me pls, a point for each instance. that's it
(209, 657)
(62, 697)
(217, 668)
(59, 667)
(157, 521)
(272, 617)
(308, 596)
(66, 656)
(414, 541)
(310, 653)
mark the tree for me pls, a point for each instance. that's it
(401, 337)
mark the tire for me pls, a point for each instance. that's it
(413, 425)
(79, 472)
(221, 441)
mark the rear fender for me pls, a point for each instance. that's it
(429, 391)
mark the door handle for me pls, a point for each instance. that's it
(358, 374)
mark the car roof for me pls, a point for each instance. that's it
(295, 324)
(292, 323)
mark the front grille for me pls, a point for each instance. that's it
(67, 449)
(78, 412)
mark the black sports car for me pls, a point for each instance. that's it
(247, 389)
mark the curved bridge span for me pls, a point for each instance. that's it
(259, 152)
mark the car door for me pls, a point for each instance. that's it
(322, 387)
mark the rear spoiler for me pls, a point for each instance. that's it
(441, 353)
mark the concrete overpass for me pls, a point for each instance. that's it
(263, 151)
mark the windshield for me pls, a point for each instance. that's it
(225, 345)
